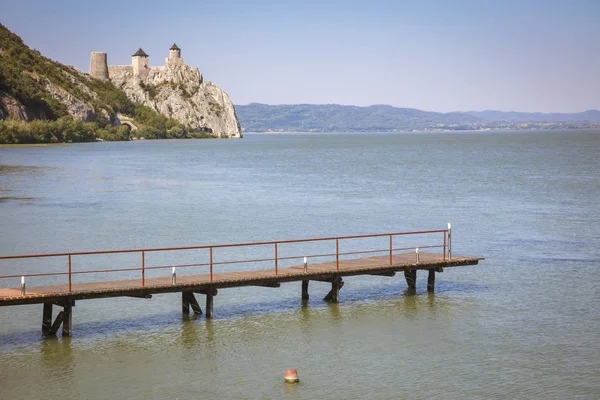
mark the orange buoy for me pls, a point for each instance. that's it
(291, 376)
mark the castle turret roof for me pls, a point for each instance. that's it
(174, 47)
(140, 53)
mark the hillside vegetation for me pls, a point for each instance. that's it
(44, 101)
(334, 117)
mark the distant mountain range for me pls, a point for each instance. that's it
(257, 117)
(512, 116)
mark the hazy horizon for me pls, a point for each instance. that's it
(522, 56)
(379, 104)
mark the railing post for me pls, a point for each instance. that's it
(69, 273)
(211, 265)
(391, 250)
(143, 269)
(276, 259)
(337, 254)
(23, 286)
(449, 241)
(445, 233)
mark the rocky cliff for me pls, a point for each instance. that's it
(163, 102)
(179, 92)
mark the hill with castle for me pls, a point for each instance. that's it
(42, 100)
(175, 90)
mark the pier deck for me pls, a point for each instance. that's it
(396, 259)
(377, 265)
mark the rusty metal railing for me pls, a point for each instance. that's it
(446, 248)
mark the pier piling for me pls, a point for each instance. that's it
(57, 323)
(209, 301)
(411, 278)
(185, 304)
(64, 318)
(431, 281)
(189, 300)
(305, 295)
(47, 318)
(336, 284)
(68, 319)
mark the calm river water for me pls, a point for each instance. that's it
(524, 323)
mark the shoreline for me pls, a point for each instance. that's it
(424, 131)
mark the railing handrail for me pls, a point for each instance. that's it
(81, 253)
(446, 252)
(207, 264)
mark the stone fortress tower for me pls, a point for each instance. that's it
(174, 56)
(139, 61)
(99, 66)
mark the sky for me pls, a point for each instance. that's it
(527, 55)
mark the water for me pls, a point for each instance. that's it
(523, 324)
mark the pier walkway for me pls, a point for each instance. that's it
(337, 265)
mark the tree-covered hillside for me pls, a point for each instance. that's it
(65, 104)
(334, 117)
(256, 117)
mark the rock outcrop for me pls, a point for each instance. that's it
(179, 92)
(12, 108)
(171, 101)
(77, 108)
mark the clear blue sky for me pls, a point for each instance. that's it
(433, 55)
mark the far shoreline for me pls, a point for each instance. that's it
(313, 133)
(423, 131)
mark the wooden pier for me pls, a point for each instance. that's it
(396, 259)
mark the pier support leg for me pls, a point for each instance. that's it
(305, 290)
(47, 318)
(336, 285)
(209, 304)
(194, 304)
(189, 300)
(411, 279)
(67, 321)
(57, 322)
(63, 318)
(431, 281)
(185, 303)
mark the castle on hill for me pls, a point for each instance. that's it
(140, 64)
(175, 90)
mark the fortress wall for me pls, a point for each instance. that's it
(99, 66)
(174, 61)
(120, 69)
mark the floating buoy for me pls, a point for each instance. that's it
(291, 376)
